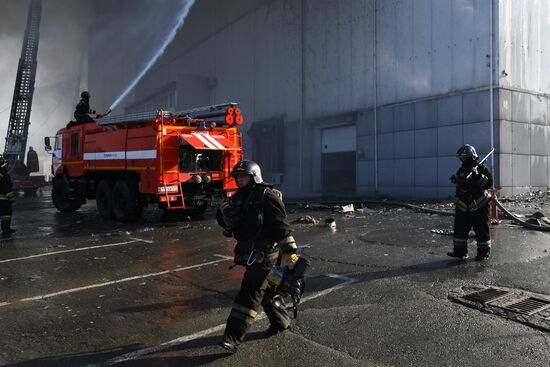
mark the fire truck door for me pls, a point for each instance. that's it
(57, 155)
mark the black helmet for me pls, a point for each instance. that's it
(248, 168)
(85, 95)
(465, 152)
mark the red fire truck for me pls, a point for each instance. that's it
(178, 160)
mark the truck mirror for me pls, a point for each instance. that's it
(47, 144)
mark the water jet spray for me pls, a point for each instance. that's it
(169, 38)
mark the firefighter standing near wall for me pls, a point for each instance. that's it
(472, 206)
(82, 111)
(6, 194)
(256, 217)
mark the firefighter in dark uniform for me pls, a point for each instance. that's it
(472, 205)
(32, 160)
(82, 111)
(6, 194)
(255, 215)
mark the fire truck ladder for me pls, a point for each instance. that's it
(18, 128)
(199, 112)
(160, 116)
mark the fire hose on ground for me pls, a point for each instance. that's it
(495, 201)
(516, 219)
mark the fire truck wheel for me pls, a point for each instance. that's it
(126, 205)
(61, 197)
(104, 199)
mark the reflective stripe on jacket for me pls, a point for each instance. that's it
(472, 206)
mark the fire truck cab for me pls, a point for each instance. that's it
(178, 160)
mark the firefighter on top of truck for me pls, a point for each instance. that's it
(6, 194)
(472, 210)
(82, 111)
(256, 218)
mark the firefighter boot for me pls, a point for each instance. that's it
(459, 252)
(483, 250)
(228, 346)
(274, 330)
(483, 253)
(6, 228)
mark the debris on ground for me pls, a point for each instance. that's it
(146, 229)
(534, 221)
(365, 210)
(445, 232)
(308, 219)
(331, 223)
(540, 216)
(449, 232)
(314, 206)
(344, 209)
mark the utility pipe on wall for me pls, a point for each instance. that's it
(375, 56)
(491, 102)
(302, 99)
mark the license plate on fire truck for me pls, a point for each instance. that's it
(168, 188)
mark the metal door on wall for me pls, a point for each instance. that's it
(338, 160)
(267, 148)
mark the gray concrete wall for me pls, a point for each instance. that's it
(317, 62)
(523, 141)
(523, 43)
(522, 74)
(418, 141)
(315, 59)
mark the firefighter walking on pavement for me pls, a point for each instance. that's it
(6, 195)
(472, 206)
(255, 216)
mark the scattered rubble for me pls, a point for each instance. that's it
(445, 232)
(331, 223)
(517, 206)
(344, 209)
(540, 217)
(534, 221)
(308, 219)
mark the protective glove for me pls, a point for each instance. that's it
(295, 290)
(453, 179)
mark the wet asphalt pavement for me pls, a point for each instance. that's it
(77, 291)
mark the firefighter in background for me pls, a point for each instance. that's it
(256, 217)
(6, 194)
(32, 160)
(472, 206)
(82, 111)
